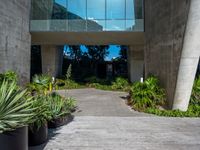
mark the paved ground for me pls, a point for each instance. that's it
(111, 125)
(93, 102)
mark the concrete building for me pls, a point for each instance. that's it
(163, 37)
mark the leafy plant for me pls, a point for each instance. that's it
(9, 76)
(40, 84)
(57, 106)
(147, 94)
(42, 113)
(71, 103)
(120, 84)
(15, 109)
(195, 97)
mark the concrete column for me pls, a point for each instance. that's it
(52, 58)
(135, 62)
(15, 39)
(189, 58)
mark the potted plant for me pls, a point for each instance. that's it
(38, 130)
(60, 112)
(15, 114)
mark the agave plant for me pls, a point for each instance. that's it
(15, 107)
(40, 83)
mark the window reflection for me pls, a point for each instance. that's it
(95, 9)
(87, 15)
(59, 9)
(115, 25)
(115, 9)
(130, 24)
(96, 25)
(130, 9)
(76, 9)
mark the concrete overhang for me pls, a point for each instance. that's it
(87, 38)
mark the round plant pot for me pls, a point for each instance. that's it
(55, 123)
(37, 136)
(14, 140)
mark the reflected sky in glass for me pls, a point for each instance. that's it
(96, 9)
(110, 15)
(62, 3)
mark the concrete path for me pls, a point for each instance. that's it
(104, 127)
(93, 102)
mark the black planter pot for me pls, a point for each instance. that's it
(14, 140)
(37, 136)
(55, 123)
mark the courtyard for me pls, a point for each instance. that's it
(104, 122)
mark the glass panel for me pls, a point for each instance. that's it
(139, 9)
(40, 9)
(76, 9)
(77, 25)
(115, 25)
(95, 9)
(129, 25)
(59, 9)
(96, 25)
(130, 14)
(87, 15)
(115, 9)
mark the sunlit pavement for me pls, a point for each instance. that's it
(105, 122)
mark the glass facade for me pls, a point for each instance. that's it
(87, 15)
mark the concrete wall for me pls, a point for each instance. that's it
(164, 30)
(136, 62)
(52, 58)
(15, 38)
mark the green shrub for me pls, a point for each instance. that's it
(9, 76)
(40, 84)
(120, 84)
(58, 106)
(195, 97)
(147, 94)
(42, 113)
(71, 103)
(94, 79)
(15, 107)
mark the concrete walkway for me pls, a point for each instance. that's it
(111, 125)
(93, 102)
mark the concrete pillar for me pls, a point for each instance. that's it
(15, 39)
(189, 58)
(135, 63)
(52, 58)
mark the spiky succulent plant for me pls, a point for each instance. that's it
(15, 107)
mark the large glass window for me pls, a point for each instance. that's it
(76, 9)
(59, 9)
(115, 9)
(95, 9)
(130, 9)
(115, 25)
(87, 15)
